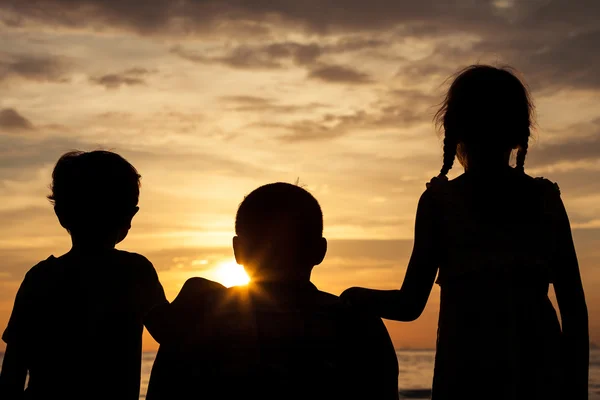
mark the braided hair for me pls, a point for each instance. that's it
(522, 153)
(485, 109)
(449, 154)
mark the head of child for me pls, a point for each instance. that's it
(95, 196)
(487, 113)
(279, 233)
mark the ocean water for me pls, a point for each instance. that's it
(416, 373)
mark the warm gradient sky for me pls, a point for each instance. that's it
(210, 99)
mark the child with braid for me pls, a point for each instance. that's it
(496, 238)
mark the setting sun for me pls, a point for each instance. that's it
(229, 273)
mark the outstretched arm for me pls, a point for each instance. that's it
(573, 309)
(408, 303)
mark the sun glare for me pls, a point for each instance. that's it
(229, 274)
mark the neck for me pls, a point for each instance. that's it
(91, 245)
(487, 161)
(283, 275)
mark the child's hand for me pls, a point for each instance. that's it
(355, 296)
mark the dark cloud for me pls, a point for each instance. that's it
(12, 121)
(548, 61)
(553, 42)
(31, 67)
(263, 104)
(284, 54)
(131, 77)
(202, 16)
(277, 55)
(270, 56)
(394, 111)
(339, 74)
(570, 149)
(243, 57)
(575, 183)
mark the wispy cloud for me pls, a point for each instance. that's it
(130, 77)
(339, 74)
(12, 121)
(262, 104)
(39, 68)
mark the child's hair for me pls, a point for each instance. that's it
(279, 215)
(94, 190)
(486, 108)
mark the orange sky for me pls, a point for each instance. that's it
(212, 99)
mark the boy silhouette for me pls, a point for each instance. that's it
(279, 337)
(76, 326)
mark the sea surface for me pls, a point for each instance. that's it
(416, 373)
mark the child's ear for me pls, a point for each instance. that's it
(62, 217)
(320, 250)
(238, 250)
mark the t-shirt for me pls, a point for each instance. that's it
(272, 341)
(78, 320)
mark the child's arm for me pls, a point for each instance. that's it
(13, 374)
(376, 361)
(153, 301)
(168, 373)
(573, 309)
(14, 367)
(164, 319)
(408, 303)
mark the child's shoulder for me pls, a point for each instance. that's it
(540, 186)
(43, 268)
(134, 258)
(135, 262)
(546, 185)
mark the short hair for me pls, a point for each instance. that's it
(97, 187)
(279, 211)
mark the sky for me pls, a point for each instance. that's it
(211, 99)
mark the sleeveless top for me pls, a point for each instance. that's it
(486, 239)
(498, 333)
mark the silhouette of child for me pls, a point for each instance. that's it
(496, 238)
(278, 337)
(77, 321)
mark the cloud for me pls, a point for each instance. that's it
(339, 74)
(550, 62)
(263, 104)
(570, 148)
(276, 55)
(241, 57)
(553, 43)
(33, 67)
(396, 110)
(130, 77)
(202, 16)
(12, 121)
(205, 17)
(272, 56)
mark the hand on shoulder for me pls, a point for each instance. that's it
(436, 181)
(355, 296)
(197, 288)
